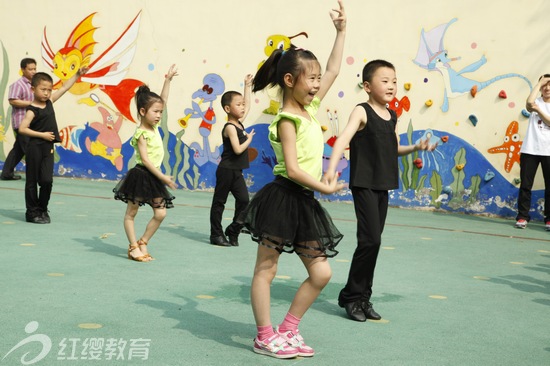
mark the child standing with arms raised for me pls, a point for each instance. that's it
(40, 125)
(535, 150)
(229, 175)
(145, 183)
(374, 151)
(284, 215)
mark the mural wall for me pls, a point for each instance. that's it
(464, 71)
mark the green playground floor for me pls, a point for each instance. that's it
(452, 289)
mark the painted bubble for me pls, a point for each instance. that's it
(151, 67)
(425, 80)
(341, 94)
(511, 104)
(473, 45)
(350, 60)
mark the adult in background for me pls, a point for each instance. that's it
(19, 96)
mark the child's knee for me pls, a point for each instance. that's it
(160, 214)
(267, 272)
(323, 278)
(131, 211)
(321, 275)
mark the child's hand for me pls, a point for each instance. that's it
(170, 183)
(330, 180)
(248, 79)
(48, 136)
(83, 70)
(250, 134)
(424, 145)
(533, 107)
(544, 80)
(327, 177)
(172, 71)
(338, 17)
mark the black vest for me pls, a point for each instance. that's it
(373, 153)
(230, 160)
(43, 121)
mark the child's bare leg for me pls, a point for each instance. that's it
(260, 291)
(319, 272)
(129, 219)
(159, 213)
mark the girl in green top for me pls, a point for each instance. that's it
(145, 183)
(284, 215)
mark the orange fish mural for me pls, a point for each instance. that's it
(510, 147)
(399, 105)
(106, 72)
(69, 138)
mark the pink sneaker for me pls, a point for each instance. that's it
(521, 224)
(294, 339)
(275, 346)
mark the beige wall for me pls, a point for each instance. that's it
(228, 38)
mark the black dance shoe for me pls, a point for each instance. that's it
(370, 313)
(354, 311)
(46, 217)
(35, 219)
(10, 177)
(219, 241)
(233, 240)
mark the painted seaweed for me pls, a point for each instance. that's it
(437, 187)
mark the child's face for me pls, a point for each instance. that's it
(236, 107)
(43, 91)
(29, 71)
(383, 86)
(153, 115)
(308, 83)
(545, 91)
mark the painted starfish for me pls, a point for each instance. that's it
(510, 147)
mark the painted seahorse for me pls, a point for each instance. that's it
(432, 56)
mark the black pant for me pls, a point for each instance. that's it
(39, 172)
(228, 180)
(371, 208)
(15, 155)
(528, 169)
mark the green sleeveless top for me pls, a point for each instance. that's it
(309, 142)
(155, 149)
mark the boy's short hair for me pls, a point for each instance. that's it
(40, 76)
(545, 76)
(227, 97)
(371, 67)
(26, 61)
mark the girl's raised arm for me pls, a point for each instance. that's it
(335, 59)
(173, 71)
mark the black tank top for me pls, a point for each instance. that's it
(230, 160)
(373, 153)
(43, 121)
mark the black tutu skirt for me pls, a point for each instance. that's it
(286, 217)
(142, 187)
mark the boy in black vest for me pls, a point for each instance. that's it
(229, 175)
(40, 125)
(374, 150)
